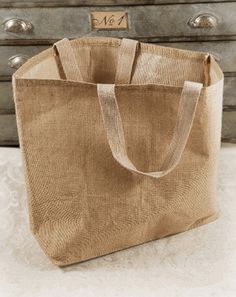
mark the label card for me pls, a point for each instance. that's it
(109, 20)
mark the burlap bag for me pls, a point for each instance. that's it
(85, 109)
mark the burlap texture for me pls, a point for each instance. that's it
(83, 203)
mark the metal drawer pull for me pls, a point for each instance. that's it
(204, 20)
(17, 26)
(17, 61)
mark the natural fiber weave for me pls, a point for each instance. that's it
(111, 166)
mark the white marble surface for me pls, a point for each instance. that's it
(197, 263)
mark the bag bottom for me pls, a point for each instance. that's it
(104, 247)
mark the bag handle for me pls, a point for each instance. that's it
(68, 65)
(115, 134)
(126, 57)
(66, 61)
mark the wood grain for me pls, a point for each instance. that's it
(58, 3)
(152, 22)
(6, 98)
(229, 125)
(8, 51)
(8, 130)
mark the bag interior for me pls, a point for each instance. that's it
(97, 59)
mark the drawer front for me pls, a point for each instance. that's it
(6, 98)
(8, 130)
(32, 3)
(225, 51)
(11, 57)
(151, 22)
(229, 126)
(230, 91)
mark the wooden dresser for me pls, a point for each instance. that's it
(30, 26)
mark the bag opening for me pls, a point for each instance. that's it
(153, 64)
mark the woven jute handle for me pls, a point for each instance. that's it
(115, 133)
(110, 110)
(126, 58)
(66, 60)
(68, 64)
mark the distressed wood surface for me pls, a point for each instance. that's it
(230, 91)
(6, 98)
(229, 125)
(152, 22)
(8, 51)
(8, 130)
(57, 3)
(226, 51)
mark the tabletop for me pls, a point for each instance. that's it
(199, 262)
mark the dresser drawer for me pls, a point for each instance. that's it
(229, 126)
(150, 22)
(230, 91)
(11, 57)
(8, 130)
(52, 3)
(225, 51)
(6, 98)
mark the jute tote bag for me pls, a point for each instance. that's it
(119, 141)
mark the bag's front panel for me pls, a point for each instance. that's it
(73, 181)
(82, 202)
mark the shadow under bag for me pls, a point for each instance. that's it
(120, 141)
